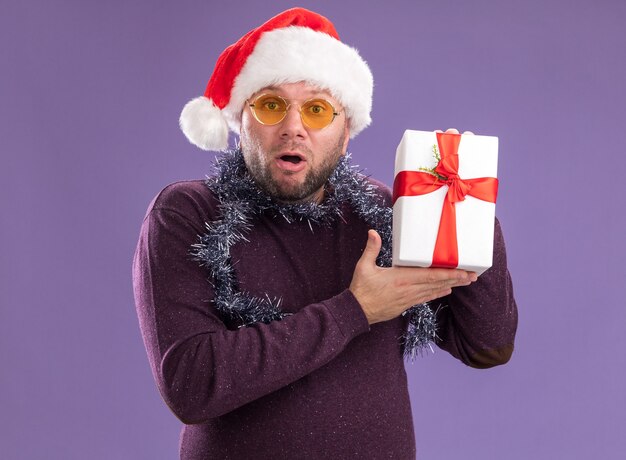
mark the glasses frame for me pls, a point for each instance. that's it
(289, 104)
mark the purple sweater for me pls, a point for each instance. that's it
(321, 382)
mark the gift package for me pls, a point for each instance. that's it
(444, 196)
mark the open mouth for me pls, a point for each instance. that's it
(291, 159)
(291, 162)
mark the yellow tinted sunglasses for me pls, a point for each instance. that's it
(270, 109)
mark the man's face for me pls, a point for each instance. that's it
(290, 161)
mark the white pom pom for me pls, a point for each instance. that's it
(204, 125)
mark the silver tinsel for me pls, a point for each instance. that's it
(240, 200)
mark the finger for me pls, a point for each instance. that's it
(441, 293)
(454, 284)
(459, 283)
(468, 132)
(465, 276)
(372, 248)
(452, 131)
(420, 275)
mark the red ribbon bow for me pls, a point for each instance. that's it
(413, 183)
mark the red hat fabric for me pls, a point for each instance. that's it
(296, 45)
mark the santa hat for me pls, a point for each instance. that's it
(296, 45)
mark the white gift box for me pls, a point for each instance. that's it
(416, 218)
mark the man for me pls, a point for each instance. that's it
(270, 328)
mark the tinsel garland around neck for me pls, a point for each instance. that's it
(240, 200)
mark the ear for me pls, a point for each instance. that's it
(243, 119)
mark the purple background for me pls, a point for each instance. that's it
(90, 96)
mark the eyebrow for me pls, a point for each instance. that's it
(316, 93)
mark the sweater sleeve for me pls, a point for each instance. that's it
(202, 368)
(477, 323)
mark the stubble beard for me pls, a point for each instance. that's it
(258, 164)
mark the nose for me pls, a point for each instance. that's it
(292, 127)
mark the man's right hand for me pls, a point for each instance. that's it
(385, 293)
